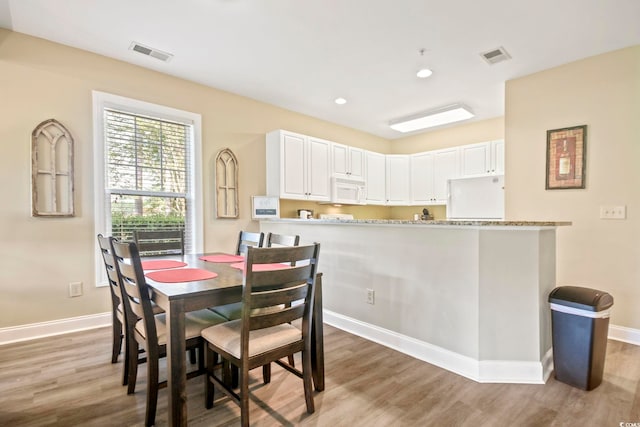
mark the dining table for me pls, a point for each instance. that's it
(178, 298)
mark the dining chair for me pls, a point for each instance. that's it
(247, 239)
(117, 310)
(260, 337)
(150, 330)
(159, 242)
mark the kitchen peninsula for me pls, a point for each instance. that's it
(469, 296)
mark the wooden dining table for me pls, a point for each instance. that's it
(179, 298)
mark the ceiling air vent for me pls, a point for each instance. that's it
(495, 55)
(149, 51)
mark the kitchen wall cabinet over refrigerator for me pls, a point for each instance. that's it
(298, 166)
(485, 158)
(348, 162)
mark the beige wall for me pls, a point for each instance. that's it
(602, 92)
(41, 80)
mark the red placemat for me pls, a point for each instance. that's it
(181, 275)
(162, 264)
(222, 258)
(262, 267)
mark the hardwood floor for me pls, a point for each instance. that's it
(68, 380)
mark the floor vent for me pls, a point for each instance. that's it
(495, 55)
(149, 51)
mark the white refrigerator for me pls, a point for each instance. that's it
(476, 198)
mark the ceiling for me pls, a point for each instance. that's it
(302, 54)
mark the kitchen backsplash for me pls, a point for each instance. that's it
(289, 209)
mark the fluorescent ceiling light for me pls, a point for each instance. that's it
(427, 119)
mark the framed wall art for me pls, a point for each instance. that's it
(566, 158)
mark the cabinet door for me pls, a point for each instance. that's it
(356, 163)
(318, 170)
(293, 158)
(375, 177)
(398, 178)
(445, 167)
(421, 165)
(475, 159)
(339, 154)
(497, 157)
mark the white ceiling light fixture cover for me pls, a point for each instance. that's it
(424, 73)
(440, 116)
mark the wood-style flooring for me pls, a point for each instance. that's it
(68, 380)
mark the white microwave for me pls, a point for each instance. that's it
(348, 191)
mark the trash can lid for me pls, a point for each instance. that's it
(581, 298)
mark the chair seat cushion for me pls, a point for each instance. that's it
(194, 323)
(226, 336)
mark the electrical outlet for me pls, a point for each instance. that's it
(75, 289)
(613, 212)
(371, 295)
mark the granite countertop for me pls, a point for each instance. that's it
(478, 223)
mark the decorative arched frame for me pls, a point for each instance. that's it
(52, 170)
(226, 185)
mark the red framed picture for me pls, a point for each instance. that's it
(566, 158)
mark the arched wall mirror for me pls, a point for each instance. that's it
(51, 170)
(226, 185)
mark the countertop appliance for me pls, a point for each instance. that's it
(476, 198)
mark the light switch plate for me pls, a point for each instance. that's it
(613, 212)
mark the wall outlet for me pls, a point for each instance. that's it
(613, 212)
(371, 295)
(75, 289)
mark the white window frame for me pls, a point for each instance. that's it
(102, 100)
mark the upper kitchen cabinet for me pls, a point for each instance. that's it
(298, 166)
(430, 172)
(375, 178)
(482, 159)
(397, 179)
(348, 162)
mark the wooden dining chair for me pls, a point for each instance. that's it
(279, 240)
(260, 337)
(159, 242)
(117, 309)
(150, 330)
(247, 239)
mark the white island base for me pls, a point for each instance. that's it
(470, 297)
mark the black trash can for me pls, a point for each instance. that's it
(580, 324)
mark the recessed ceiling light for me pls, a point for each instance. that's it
(424, 73)
(340, 101)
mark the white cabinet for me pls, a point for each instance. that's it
(430, 172)
(375, 178)
(482, 159)
(298, 166)
(421, 166)
(397, 179)
(348, 162)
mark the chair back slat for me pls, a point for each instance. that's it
(279, 240)
(247, 239)
(282, 315)
(271, 297)
(159, 242)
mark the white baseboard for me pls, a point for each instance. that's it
(488, 371)
(622, 333)
(54, 327)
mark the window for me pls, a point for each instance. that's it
(147, 170)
